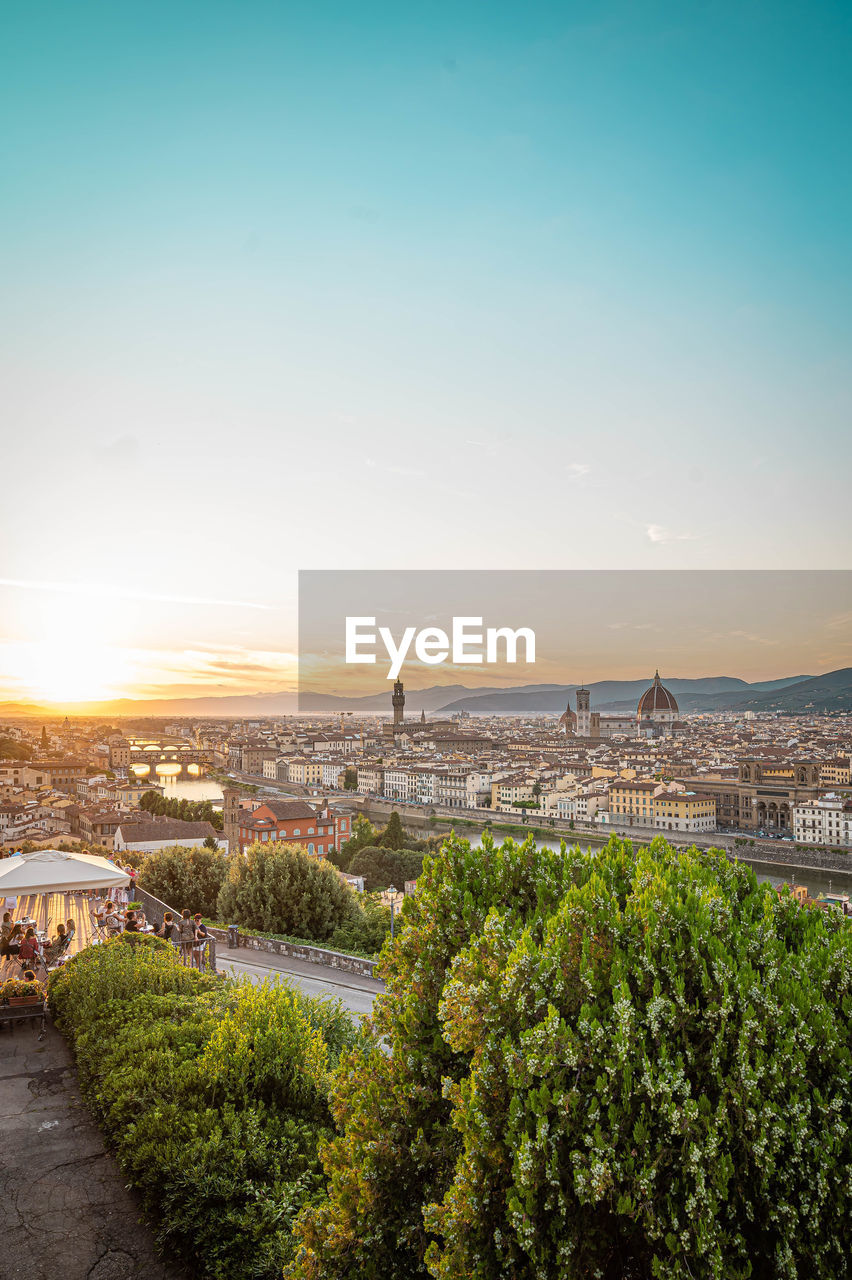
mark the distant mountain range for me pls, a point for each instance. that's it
(620, 697)
(829, 692)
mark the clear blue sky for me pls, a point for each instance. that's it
(369, 285)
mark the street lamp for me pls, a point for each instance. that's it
(392, 892)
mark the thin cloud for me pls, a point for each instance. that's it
(660, 535)
(751, 637)
(633, 626)
(393, 471)
(123, 593)
(576, 470)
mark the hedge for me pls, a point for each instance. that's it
(213, 1092)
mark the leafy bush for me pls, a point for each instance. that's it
(213, 1092)
(278, 888)
(366, 933)
(619, 1064)
(185, 878)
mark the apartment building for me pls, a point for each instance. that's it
(317, 831)
(398, 783)
(333, 773)
(252, 758)
(631, 803)
(827, 821)
(645, 803)
(53, 773)
(676, 810)
(450, 789)
(305, 771)
(509, 791)
(371, 779)
(835, 773)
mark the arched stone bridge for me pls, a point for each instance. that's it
(152, 756)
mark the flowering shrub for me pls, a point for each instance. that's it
(632, 1063)
(15, 987)
(213, 1092)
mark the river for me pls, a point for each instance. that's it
(183, 788)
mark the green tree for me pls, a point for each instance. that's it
(185, 877)
(210, 842)
(363, 834)
(276, 888)
(384, 867)
(350, 779)
(44, 743)
(620, 1064)
(393, 836)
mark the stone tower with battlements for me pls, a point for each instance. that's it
(398, 705)
(231, 819)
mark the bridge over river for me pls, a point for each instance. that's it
(182, 757)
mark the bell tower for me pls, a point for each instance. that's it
(398, 701)
(584, 714)
(231, 819)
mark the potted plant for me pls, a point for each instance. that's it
(17, 992)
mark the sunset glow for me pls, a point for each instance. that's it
(70, 669)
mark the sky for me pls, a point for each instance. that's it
(585, 626)
(330, 286)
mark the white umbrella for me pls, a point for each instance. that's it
(54, 871)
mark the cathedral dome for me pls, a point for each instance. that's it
(657, 699)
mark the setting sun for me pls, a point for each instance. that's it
(71, 669)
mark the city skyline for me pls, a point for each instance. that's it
(589, 626)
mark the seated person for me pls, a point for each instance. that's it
(57, 944)
(112, 920)
(131, 924)
(12, 945)
(6, 932)
(30, 946)
(29, 976)
(70, 930)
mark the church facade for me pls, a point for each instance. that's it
(656, 716)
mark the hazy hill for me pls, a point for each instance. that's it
(832, 691)
(617, 697)
(829, 692)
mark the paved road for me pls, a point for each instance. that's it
(355, 993)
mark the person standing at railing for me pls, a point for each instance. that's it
(186, 936)
(202, 937)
